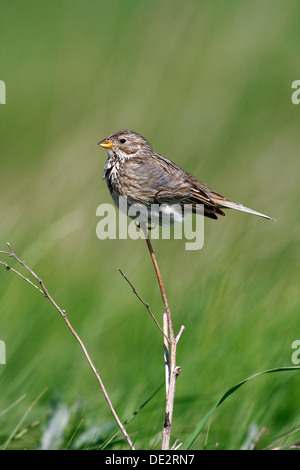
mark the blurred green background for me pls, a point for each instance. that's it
(208, 83)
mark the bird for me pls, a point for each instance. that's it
(146, 178)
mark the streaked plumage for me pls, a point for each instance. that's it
(134, 170)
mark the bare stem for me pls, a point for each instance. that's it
(63, 313)
(166, 355)
(144, 303)
(171, 370)
(160, 282)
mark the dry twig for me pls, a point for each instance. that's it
(144, 303)
(170, 344)
(63, 313)
(172, 371)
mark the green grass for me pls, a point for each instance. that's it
(209, 85)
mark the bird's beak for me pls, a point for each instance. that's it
(107, 144)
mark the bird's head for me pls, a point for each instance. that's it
(125, 143)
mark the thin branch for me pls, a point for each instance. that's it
(45, 292)
(144, 303)
(160, 282)
(171, 370)
(166, 355)
(19, 274)
(179, 334)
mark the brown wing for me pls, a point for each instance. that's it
(155, 179)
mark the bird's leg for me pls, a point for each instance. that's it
(149, 227)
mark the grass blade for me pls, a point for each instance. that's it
(15, 430)
(12, 405)
(229, 392)
(111, 437)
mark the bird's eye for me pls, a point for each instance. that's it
(122, 141)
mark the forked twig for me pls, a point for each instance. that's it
(144, 303)
(171, 370)
(63, 313)
(19, 274)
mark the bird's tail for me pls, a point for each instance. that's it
(239, 207)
